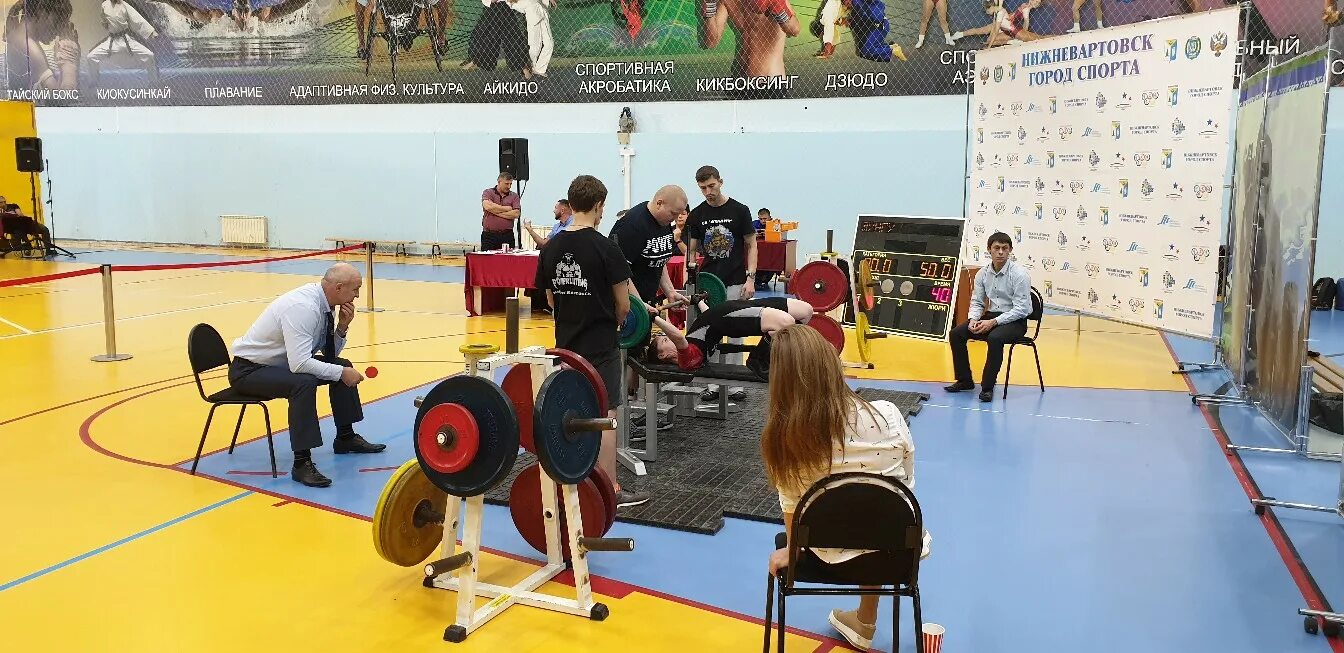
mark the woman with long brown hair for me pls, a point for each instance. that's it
(816, 425)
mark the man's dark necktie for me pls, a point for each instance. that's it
(329, 343)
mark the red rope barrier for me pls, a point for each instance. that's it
(184, 266)
(47, 277)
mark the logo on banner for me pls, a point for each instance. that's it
(1101, 101)
(1059, 212)
(1115, 129)
(979, 230)
(1017, 233)
(1001, 184)
(981, 210)
(979, 160)
(1157, 308)
(1173, 254)
(1049, 159)
(1049, 288)
(1031, 107)
(1119, 161)
(1100, 189)
(1166, 159)
(1124, 188)
(1093, 159)
(1193, 46)
(1105, 216)
(1088, 132)
(1200, 254)
(1177, 129)
(1136, 248)
(1059, 187)
(1168, 221)
(1092, 296)
(984, 75)
(1203, 225)
(976, 252)
(1216, 43)
(1016, 108)
(1084, 243)
(1076, 186)
(1175, 193)
(981, 184)
(1012, 71)
(1168, 281)
(1044, 135)
(1031, 159)
(997, 160)
(1211, 128)
(1191, 284)
(1172, 49)
(1114, 303)
(1135, 304)
(1092, 271)
(1048, 263)
(979, 134)
(1143, 277)
(1173, 95)
(998, 74)
(1203, 191)
(1150, 97)
(1021, 133)
(1017, 210)
(999, 208)
(1146, 189)
(1066, 267)
(1040, 187)
(1013, 158)
(1109, 244)
(1054, 105)
(1142, 159)
(1040, 215)
(1065, 132)
(1062, 240)
(1030, 263)
(982, 111)
(1082, 214)
(1125, 101)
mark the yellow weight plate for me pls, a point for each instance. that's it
(396, 537)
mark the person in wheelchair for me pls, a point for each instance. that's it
(414, 13)
(738, 318)
(817, 426)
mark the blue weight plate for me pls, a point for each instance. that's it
(497, 424)
(567, 458)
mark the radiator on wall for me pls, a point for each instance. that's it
(242, 229)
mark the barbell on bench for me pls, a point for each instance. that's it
(835, 334)
(635, 330)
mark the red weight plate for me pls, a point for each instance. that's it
(829, 329)
(448, 438)
(608, 489)
(821, 284)
(518, 386)
(526, 508)
(581, 364)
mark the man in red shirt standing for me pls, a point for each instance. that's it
(501, 207)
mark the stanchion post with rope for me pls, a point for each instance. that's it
(368, 281)
(109, 320)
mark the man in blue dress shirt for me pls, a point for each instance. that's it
(278, 359)
(1000, 304)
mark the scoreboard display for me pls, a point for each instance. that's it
(916, 265)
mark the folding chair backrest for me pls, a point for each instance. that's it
(864, 511)
(206, 349)
(1037, 305)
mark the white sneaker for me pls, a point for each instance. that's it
(919, 43)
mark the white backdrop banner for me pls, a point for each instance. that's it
(1104, 156)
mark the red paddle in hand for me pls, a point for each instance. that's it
(371, 372)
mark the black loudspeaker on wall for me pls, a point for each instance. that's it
(513, 157)
(28, 153)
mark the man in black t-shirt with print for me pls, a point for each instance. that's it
(721, 228)
(645, 237)
(586, 279)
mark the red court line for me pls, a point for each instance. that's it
(186, 266)
(86, 436)
(281, 503)
(47, 277)
(1306, 584)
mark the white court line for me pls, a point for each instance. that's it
(17, 326)
(1079, 419)
(138, 317)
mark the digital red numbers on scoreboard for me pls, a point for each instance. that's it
(915, 264)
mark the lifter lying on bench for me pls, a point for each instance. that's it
(740, 318)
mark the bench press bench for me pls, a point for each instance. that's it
(676, 381)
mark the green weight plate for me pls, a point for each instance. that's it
(713, 287)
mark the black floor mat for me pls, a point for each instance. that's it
(709, 469)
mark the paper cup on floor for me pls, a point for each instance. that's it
(933, 638)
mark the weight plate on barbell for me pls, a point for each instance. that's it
(821, 284)
(715, 292)
(635, 330)
(568, 456)
(497, 428)
(448, 438)
(829, 329)
(867, 287)
(607, 487)
(581, 364)
(527, 509)
(517, 385)
(862, 330)
(396, 537)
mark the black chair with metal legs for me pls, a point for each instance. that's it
(206, 351)
(853, 511)
(1037, 310)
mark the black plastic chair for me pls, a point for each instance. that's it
(1037, 310)
(206, 351)
(856, 511)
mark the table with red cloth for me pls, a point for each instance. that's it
(776, 257)
(494, 276)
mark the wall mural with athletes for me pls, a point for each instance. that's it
(222, 52)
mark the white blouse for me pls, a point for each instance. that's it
(876, 446)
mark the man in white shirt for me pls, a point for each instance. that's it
(277, 359)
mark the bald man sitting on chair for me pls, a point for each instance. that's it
(278, 359)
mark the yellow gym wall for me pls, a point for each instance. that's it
(16, 120)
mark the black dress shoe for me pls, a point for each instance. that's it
(355, 444)
(306, 472)
(986, 396)
(960, 386)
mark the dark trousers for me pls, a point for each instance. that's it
(499, 27)
(997, 338)
(274, 382)
(493, 240)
